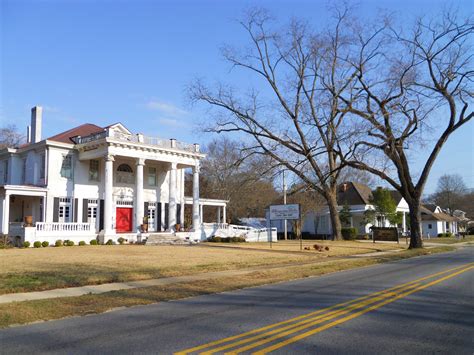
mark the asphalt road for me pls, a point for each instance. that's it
(434, 314)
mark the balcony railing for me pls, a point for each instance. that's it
(140, 139)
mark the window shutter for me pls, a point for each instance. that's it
(76, 207)
(167, 215)
(85, 206)
(145, 210)
(56, 209)
(178, 213)
(101, 215)
(158, 214)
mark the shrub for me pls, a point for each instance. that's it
(45, 244)
(81, 243)
(26, 244)
(58, 243)
(5, 241)
(121, 240)
(445, 235)
(69, 243)
(349, 233)
(93, 242)
(37, 244)
(109, 242)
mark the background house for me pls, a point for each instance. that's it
(436, 221)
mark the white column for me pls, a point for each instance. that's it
(172, 197)
(224, 216)
(404, 221)
(201, 214)
(139, 208)
(196, 208)
(219, 214)
(6, 213)
(108, 200)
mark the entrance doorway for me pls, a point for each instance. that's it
(124, 217)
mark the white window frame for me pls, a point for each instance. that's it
(65, 210)
(152, 175)
(91, 172)
(65, 171)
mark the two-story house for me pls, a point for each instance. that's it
(93, 180)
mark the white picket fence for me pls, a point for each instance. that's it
(231, 230)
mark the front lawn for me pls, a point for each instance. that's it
(23, 270)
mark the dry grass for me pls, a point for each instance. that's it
(26, 312)
(452, 240)
(336, 248)
(23, 270)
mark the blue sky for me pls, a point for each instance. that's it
(130, 61)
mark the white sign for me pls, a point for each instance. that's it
(284, 212)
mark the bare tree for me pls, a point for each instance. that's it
(294, 119)
(451, 188)
(409, 86)
(9, 137)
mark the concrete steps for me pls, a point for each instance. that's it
(165, 239)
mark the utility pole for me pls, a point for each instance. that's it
(284, 202)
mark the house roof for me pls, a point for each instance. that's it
(430, 206)
(428, 215)
(352, 193)
(82, 130)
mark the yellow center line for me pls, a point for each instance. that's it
(295, 319)
(310, 323)
(357, 314)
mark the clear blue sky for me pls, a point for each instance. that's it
(130, 61)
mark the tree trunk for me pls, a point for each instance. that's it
(415, 225)
(334, 214)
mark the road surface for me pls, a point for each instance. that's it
(418, 305)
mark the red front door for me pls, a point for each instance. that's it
(124, 219)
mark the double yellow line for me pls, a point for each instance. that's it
(347, 310)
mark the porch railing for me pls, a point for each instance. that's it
(138, 138)
(64, 227)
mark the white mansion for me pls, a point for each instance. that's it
(93, 180)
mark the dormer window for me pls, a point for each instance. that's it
(125, 174)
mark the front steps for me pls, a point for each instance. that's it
(166, 239)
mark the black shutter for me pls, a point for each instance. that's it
(167, 215)
(101, 215)
(76, 207)
(158, 214)
(145, 210)
(85, 209)
(178, 213)
(56, 210)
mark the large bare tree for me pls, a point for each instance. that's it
(294, 118)
(414, 89)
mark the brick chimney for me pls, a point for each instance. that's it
(36, 123)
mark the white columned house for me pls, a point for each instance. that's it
(93, 181)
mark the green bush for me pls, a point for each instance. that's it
(349, 233)
(26, 244)
(121, 240)
(216, 239)
(445, 235)
(81, 243)
(109, 242)
(93, 242)
(45, 244)
(58, 243)
(69, 243)
(37, 244)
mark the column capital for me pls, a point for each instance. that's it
(109, 157)
(140, 161)
(174, 166)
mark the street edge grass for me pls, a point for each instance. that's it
(20, 313)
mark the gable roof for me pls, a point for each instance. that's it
(352, 193)
(82, 130)
(428, 215)
(430, 206)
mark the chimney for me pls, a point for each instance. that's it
(36, 118)
(28, 134)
